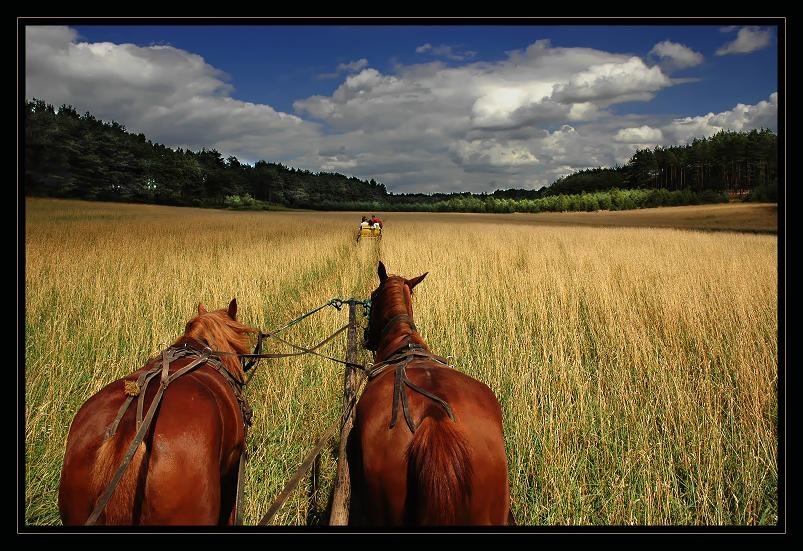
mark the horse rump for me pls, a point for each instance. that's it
(126, 500)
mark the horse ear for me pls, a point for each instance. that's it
(382, 272)
(416, 280)
(201, 309)
(233, 309)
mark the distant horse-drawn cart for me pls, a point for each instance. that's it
(369, 232)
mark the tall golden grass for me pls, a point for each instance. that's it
(636, 368)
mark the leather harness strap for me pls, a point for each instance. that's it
(409, 349)
(399, 363)
(112, 429)
(238, 499)
(144, 387)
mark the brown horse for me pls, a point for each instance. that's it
(444, 463)
(185, 470)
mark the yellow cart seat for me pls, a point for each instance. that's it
(370, 232)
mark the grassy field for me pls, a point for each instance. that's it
(636, 367)
(752, 217)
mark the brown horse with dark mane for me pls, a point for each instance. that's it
(185, 470)
(442, 460)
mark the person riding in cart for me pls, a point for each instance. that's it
(376, 220)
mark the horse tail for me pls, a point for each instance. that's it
(440, 472)
(123, 506)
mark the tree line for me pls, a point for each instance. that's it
(742, 163)
(73, 155)
(79, 156)
(613, 199)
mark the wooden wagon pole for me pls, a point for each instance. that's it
(342, 490)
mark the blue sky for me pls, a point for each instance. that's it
(453, 99)
(279, 64)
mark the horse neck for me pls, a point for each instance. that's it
(403, 332)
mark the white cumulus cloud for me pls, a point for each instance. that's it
(764, 114)
(748, 39)
(641, 134)
(676, 55)
(490, 154)
(353, 66)
(350, 67)
(171, 95)
(613, 82)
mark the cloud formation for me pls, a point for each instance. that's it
(539, 113)
(350, 67)
(353, 66)
(675, 55)
(455, 53)
(748, 39)
(479, 120)
(171, 95)
(764, 114)
(613, 83)
(641, 134)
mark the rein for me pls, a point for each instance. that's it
(253, 358)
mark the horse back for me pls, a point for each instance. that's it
(474, 404)
(196, 433)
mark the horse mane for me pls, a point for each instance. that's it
(392, 299)
(390, 294)
(393, 296)
(220, 332)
